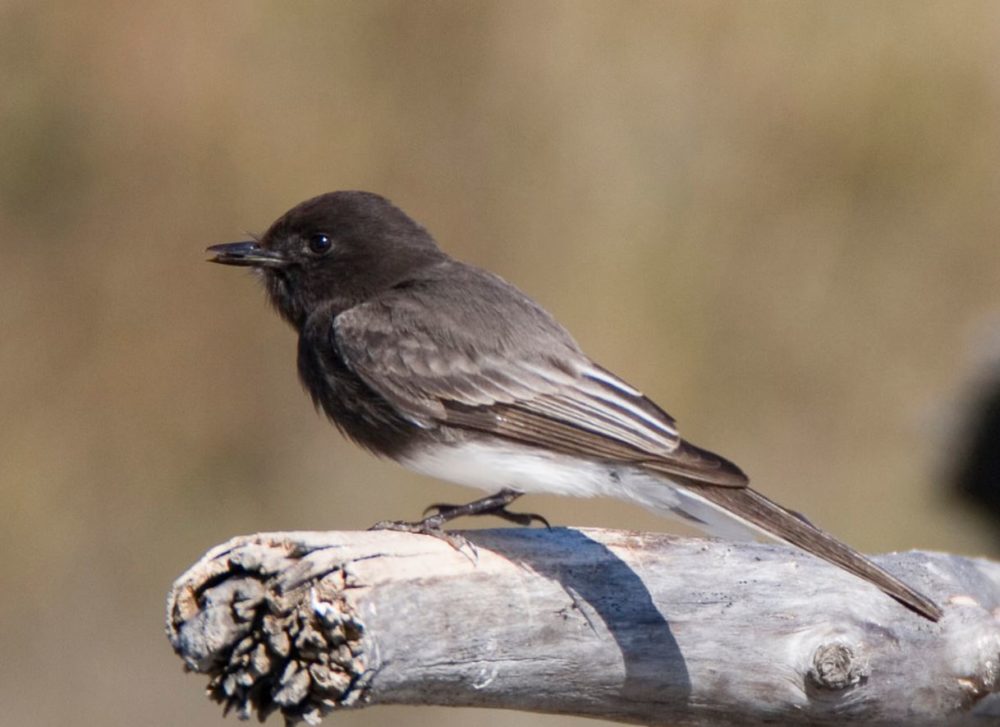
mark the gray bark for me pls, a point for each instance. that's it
(633, 627)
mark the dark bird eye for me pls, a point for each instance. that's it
(320, 244)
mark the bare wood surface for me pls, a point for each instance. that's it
(633, 627)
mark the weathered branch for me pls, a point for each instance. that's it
(632, 627)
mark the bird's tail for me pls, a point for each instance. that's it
(772, 519)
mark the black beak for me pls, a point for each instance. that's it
(248, 253)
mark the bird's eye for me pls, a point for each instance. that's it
(320, 244)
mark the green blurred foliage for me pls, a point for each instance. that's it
(778, 219)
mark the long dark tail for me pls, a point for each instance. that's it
(775, 520)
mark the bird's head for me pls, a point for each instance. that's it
(336, 250)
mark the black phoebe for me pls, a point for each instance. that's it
(453, 372)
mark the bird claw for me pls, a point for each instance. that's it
(524, 519)
(442, 513)
(431, 526)
(446, 512)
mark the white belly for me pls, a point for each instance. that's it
(496, 465)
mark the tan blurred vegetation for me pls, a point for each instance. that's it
(779, 219)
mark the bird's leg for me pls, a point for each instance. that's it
(492, 505)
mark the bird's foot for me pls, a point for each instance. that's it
(429, 526)
(450, 512)
(492, 505)
(443, 513)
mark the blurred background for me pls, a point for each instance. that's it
(778, 219)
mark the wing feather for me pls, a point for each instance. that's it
(443, 359)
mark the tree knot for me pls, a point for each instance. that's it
(835, 666)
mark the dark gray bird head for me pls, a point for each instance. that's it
(335, 250)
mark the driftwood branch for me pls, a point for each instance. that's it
(625, 626)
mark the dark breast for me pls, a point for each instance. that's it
(356, 409)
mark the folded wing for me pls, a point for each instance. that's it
(465, 364)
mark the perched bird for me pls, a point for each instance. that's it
(453, 372)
